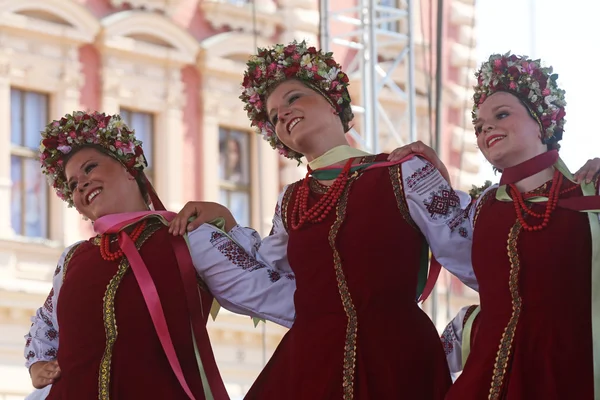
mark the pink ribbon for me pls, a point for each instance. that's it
(115, 223)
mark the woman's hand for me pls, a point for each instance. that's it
(44, 373)
(589, 171)
(202, 211)
(427, 152)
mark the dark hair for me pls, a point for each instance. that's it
(140, 178)
(552, 142)
(346, 116)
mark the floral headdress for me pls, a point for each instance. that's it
(87, 129)
(533, 84)
(270, 67)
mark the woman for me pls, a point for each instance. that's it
(535, 252)
(131, 317)
(338, 229)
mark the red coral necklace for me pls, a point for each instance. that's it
(301, 214)
(105, 243)
(553, 196)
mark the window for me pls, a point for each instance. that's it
(234, 173)
(143, 125)
(29, 190)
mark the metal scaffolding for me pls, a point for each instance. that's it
(380, 35)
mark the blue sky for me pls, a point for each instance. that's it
(565, 35)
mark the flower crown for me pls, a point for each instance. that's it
(270, 67)
(87, 129)
(533, 84)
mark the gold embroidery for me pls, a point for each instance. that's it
(110, 327)
(504, 350)
(368, 159)
(285, 203)
(352, 327)
(396, 177)
(68, 259)
(317, 187)
(481, 202)
(109, 317)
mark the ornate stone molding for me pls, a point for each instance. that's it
(143, 56)
(150, 35)
(239, 16)
(40, 40)
(164, 6)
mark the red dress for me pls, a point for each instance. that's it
(359, 332)
(550, 335)
(122, 358)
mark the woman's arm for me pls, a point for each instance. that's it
(246, 274)
(41, 342)
(441, 215)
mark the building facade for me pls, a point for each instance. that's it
(172, 69)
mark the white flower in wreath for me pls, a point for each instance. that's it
(550, 99)
(306, 61)
(332, 74)
(532, 96)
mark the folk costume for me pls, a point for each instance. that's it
(536, 257)
(356, 249)
(130, 305)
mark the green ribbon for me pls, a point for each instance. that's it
(329, 174)
(466, 336)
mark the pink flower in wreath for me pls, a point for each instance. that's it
(528, 67)
(512, 85)
(126, 147)
(546, 92)
(254, 98)
(64, 149)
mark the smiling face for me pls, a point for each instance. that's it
(101, 185)
(304, 120)
(507, 135)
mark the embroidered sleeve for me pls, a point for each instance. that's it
(246, 275)
(41, 342)
(271, 250)
(442, 216)
(452, 340)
